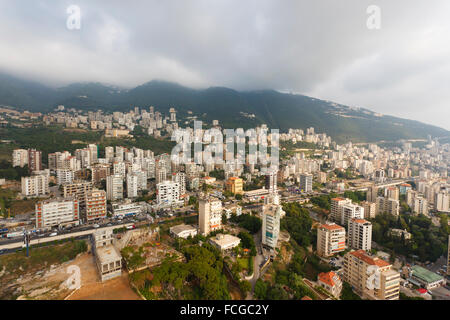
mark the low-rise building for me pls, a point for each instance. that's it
(107, 258)
(126, 209)
(425, 278)
(331, 282)
(183, 231)
(225, 241)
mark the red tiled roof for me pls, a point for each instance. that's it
(327, 277)
(362, 255)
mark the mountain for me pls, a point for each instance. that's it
(232, 108)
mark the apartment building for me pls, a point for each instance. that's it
(306, 182)
(370, 209)
(385, 205)
(360, 234)
(180, 178)
(336, 208)
(271, 216)
(235, 185)
(132, 185)
(210, 215)
(372, 194)
(442, 201)
(330, 239)
(114, 187)
(371, 277)
(100, 172)
(56, 212)
(95, 205)
(34, 160)
(35, 186)
(168, 193)
(78, 189)
(20, 158)
(64, 176)
(271, 181)
(350, 211)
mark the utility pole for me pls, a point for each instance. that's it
(27, 236)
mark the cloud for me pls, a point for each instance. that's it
(320, 48)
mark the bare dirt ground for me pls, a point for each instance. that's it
(114, 289)
(51, 285)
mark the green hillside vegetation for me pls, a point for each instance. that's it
(276, 109)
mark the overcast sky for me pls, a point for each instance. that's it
(320, 48)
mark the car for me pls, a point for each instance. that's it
(53, 234)
(96, 226)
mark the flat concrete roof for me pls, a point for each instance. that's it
(108, 254)
(225, 240)
(182, 227)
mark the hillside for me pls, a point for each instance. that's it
(277, 110)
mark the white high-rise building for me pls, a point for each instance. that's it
(360, 234)
(180, 178)
(19, 158)
(336, 208)
(64, 176)
(271, 225)
(109, 153)
(351, 211)
(210, 215)
(114, 187)
(420, 205)
(119, 168)
(442, 201)
(36, 185)
(168, 193)
(306, 181)
(132, 185)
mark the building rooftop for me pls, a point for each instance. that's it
(331, 226)
(327, 277)
(225, 240)
(425, 274)
(107, 254)
(182, 227)
(362, 255)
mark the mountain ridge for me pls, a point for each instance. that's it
(231, 107)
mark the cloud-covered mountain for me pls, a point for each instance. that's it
(232, 108)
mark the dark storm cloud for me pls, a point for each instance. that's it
(320, 48)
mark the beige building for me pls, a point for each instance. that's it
(210, 215)
(235, 185)
(370, 209)
(330, 239)
(371, 277)
(78, 190)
